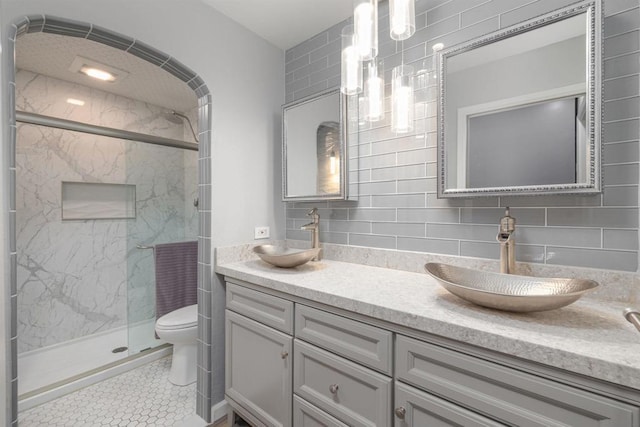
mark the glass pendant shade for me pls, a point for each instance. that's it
(402, 103)
(365, 24)
(402, 19)
(374, 91)
(351, 68)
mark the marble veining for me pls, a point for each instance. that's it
(589, 337)
(77, 278)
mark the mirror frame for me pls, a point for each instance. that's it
(594, 67)
(342, 194)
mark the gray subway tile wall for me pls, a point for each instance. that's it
(398, 207)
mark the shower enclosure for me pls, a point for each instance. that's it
(90, 208)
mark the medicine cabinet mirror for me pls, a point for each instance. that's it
(520, 109)
(314, 149)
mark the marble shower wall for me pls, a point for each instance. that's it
(77, 278)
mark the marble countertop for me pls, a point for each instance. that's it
(588, 337)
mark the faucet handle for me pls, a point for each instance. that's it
(312, 212)
(507, 223)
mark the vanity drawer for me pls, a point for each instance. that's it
(266, 309)
(355, 395)
(354, 340)
(307, 415)
(415, 408)
(505, 394)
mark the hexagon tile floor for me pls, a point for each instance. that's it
(141, 397)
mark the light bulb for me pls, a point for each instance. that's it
(403, 19)
(365, 24)
(374, 91)
(332, 162)
(402, 105)
(351, 67)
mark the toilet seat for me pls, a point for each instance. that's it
(182, 318)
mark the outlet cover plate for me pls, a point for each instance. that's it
(261, 233)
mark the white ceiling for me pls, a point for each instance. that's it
(285, 23)
(52, 54)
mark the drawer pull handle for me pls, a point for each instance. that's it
(284, 354)
(333, 388)
(401, 412)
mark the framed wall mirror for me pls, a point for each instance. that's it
(520, 108)
(314, 149)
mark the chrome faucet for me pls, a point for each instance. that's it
(313, 227)
(506, 238)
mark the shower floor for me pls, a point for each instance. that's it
(49, 365)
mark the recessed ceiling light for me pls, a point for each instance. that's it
(74, 101)
(97, 73)
(96, 70)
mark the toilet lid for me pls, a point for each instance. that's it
(181, 318)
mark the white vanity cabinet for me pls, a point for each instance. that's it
(259, 357)
(295, 362)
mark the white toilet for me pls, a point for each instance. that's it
(180, 328)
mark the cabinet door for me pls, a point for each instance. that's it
(258, 369)
(415, 408)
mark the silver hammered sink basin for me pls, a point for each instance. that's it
(284, 257)
(509, 292)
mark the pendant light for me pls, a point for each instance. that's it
(365, 25)
(351, 68)
(402, 19)
(402, 105)
(374, 91)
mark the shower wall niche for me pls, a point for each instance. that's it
(84, 277)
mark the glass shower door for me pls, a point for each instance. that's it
(166, 186)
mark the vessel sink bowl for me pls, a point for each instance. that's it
(285, 257)
(509, 292)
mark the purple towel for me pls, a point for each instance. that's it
(176, 276)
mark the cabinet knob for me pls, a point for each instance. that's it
(333, 388)
(401, 412)
(284, 354)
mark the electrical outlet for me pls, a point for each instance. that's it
(261, 233)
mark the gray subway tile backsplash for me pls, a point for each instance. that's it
(621, 109)
(621, 152)
(620, 239)
(623, 65)
(372, 214)
(626, 195)
(623, 22)
(531, 10)
(440, 246)
(621, 87)
(593, 258)
(528, 216)
(621, 44)
(621, 174)
(596, 217)
(396, 174)
(399, 229)
(372, 241)
(564, 236)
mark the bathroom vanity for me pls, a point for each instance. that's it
(339, 344)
